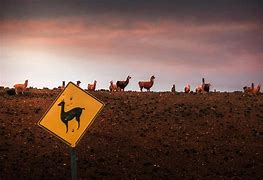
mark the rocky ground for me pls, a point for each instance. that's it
(138, 136)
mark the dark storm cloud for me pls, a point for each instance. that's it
(186, 10)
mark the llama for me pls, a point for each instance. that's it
(69, 115)
(92, 87)
(146, 84)
(205, 86)
(63, 85)
(122, 84)
(187, 88)
(173, 88)
(113, 87)
(252, 89)
(78, 83)
(21, 87)
(257, 89)
(249, 89)
(199, 89)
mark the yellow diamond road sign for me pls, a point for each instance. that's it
(71, 114)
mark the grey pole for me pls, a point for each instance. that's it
(73, 155)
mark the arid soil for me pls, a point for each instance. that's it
(138, 136)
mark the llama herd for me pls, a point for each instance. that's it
(121, 85)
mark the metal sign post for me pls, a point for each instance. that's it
(73, 155)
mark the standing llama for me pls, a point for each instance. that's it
(92, 87)
(78, 83)
(63, 85)
(122, 84)
(173, 88)
(21, 87)
(187, 88)
(205, 86)
(257, 89)
(146, 84)
(113, 87)
(69, 115)
(252, 89)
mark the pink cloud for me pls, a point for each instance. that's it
(166, 43)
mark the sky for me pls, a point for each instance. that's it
(179, 42)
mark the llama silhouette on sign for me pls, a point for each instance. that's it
(69, 115)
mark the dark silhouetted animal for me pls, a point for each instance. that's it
(63, 85)
(78, 83)
(173, 88)
(69, 115)
(122, 84)
(205, 86)
(146, 84)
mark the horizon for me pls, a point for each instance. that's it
(179, 42)
(127, 89)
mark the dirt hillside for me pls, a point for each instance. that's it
(138, 136)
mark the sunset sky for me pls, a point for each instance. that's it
(48, 41)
